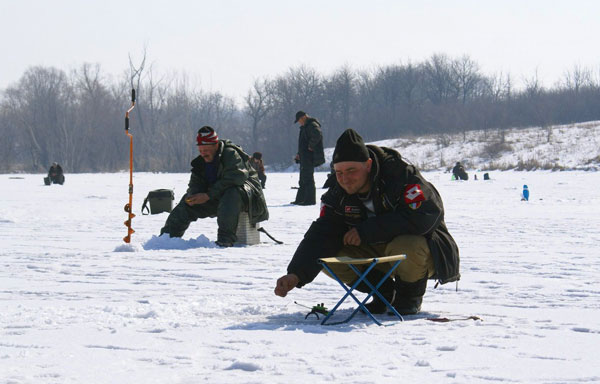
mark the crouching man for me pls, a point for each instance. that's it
(380, 206)
(222, 184)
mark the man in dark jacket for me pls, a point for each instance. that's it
(55, 175)
(222, 184)
(380, 206)
(459, 172)
(257, 163)
(310, 155)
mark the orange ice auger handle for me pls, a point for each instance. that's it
(128, 206)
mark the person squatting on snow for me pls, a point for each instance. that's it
(380, 206)
(459, 172)
(310, 155)
(257, 163)
(55, 174)
(222, 184)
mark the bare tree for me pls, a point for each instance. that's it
(258, 105)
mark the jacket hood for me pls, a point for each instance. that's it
(312, 120)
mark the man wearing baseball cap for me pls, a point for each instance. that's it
(310, 155)
(223, 184)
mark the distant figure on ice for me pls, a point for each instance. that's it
(310, 155)
(459, 172)
(257, 163)
(525, 195)
(222, 184)
(330, 182)
(55, 175)
(380, 206)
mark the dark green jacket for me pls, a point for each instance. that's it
(311, 136)
(404, 202)
(234, 171)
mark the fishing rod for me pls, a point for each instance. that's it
(128, 206)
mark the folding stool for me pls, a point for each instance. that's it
(351, 262)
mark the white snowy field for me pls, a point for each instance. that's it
(76, 306)
(570, 146)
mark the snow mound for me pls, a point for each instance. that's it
(127, 248)
(165, 242)
(249, 367)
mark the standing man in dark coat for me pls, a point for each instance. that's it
(222, 184)
(380, 206)
(310, 155)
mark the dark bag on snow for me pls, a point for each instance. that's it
(161, 200)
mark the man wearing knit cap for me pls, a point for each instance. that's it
(222, 184)
(310, 155)
(380, 206)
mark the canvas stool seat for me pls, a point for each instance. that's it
(394, 260)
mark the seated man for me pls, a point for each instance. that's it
(380, 206)
(259, 166)
(55, 174)
(222, 184)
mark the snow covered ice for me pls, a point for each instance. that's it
(77, 305)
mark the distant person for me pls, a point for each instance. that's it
(380, 206)
(475, 177)
(223, 183)
(525, 194)
(310, 155)
(55, 175)
(257, 163)
(330, 182)
(486, 176)
(459, 172)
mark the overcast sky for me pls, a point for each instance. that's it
(224, 45)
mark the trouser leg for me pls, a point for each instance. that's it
(412, 274)
(228, 213)
(418, 263)
(182, 215)
(307, 192)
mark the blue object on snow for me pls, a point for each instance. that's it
(525, 193)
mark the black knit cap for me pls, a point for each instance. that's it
(350, 147)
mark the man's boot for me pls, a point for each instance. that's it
(409, 296)
(377, 306)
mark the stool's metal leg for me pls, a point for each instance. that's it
(348, 293)
(375, 290)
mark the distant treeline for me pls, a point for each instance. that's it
(77, 118)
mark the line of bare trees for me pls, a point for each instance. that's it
(76, 118)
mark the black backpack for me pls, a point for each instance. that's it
(161, 200)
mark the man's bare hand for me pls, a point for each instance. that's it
(198, 198)
(352, 237)
(285, 284)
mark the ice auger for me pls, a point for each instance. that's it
(128, 206)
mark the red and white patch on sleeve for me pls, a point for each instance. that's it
(413, 195)
(322, 212)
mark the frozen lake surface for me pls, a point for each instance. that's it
(76, 306)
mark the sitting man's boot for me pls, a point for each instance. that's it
(409, 296)
(377, 306)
